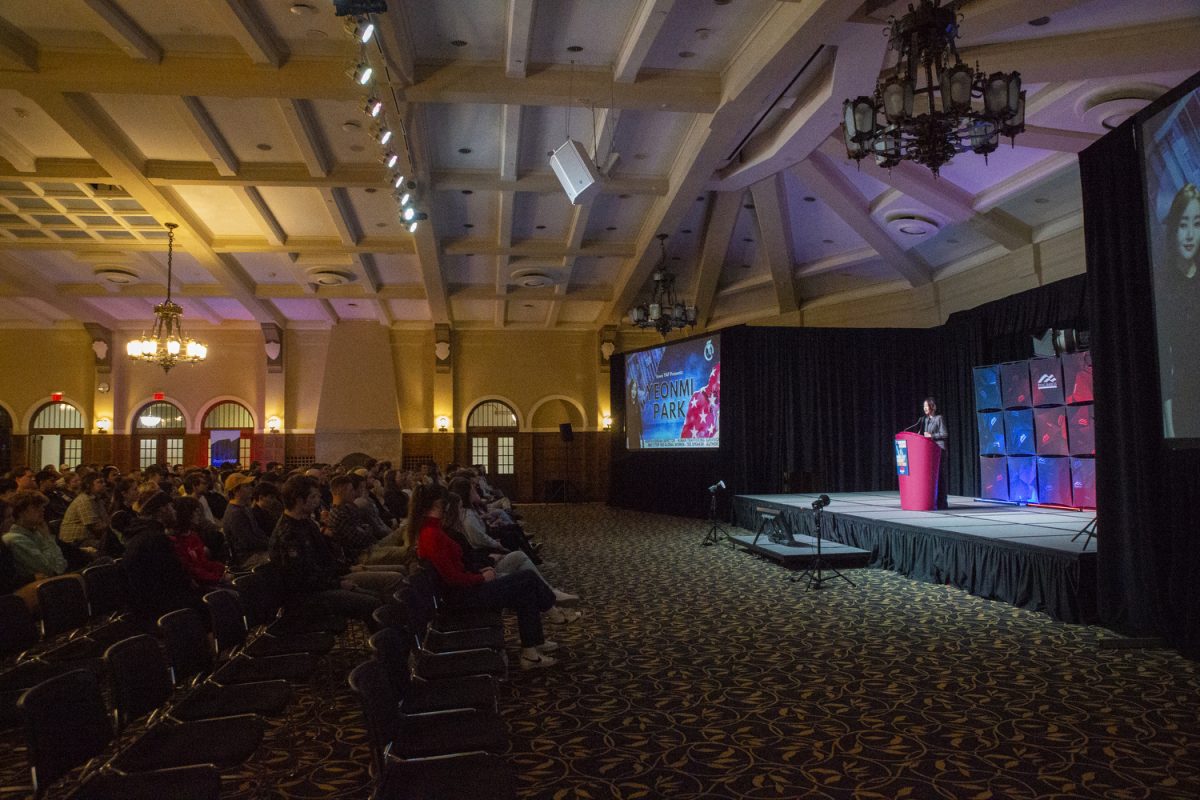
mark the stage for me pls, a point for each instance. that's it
(1018, 554)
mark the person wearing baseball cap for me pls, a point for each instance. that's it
(247, 541)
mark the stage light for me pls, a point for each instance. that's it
(412, 228)
(409, 214)
(398, 180)
(405, 199)
(390, 159)
(383, 136)
(362, 28)
(362, 74)
(373, 107)
(718, 486)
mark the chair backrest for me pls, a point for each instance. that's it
(258, 600)
(18, 629)
(380, 707)
(419, 600)
(228, 621)
(392, 648)
(390, 615)
(107, 589)
(141, 677)
(187, 643)
(66, 724)
(63, 604)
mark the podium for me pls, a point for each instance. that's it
(918, 460)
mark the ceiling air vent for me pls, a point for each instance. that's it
(532, 279)
(326, 276)
(118, 276)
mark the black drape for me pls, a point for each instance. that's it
(1149, 545)
(826, 402)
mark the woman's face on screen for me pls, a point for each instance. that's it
(1187, 235)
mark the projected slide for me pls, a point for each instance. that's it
(673, 395)
(1171, 160)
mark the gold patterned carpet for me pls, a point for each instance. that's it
(702, 672)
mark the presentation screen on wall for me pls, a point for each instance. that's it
(673, 395)
(1171, 161)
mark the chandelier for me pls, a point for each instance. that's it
(932, 106)
(664, 312)
(167, 345)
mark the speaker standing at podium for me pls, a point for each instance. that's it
(933, 426)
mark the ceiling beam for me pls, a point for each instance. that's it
(538, 182)
(22, 161)
(182, 74)
(252, 31)
(717, 233)
(505, 210)
(647, 22)
(519, 30)
(850, 258)
(775, 233)
(365, 265)
(252, 200)
(122, 31)
(17, 51)
(589, 294)
(559, 85)
(510, 142)
(86, 122)
(536, 248)
(1056, 139)
(208, 135)
(579, 223)
(836, 190)
(1092, 55)
(395, 40)
(429, 253)
(987, 17)
(302, 124)
(342, 214)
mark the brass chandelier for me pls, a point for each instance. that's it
(167, 345)
(931, 106)
(665, 312)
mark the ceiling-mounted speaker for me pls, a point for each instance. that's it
(575, 172)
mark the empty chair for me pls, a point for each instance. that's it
(190, 654)
(392, 649)
(142, 683)
(107, 590)
(65, 609)
(229, 630)
(408, 752)
(425, 734)
(67, 724)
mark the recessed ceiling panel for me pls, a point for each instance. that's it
(476, 24)
(974, 175)
(702, 35)
(398, 269)
(300, 212)
(228, 308)
(254, 128)
(347, 131)
(470, 310)
(267, 268)
(581, 312)
(466, 270)
(220, 210)
(155, 125)
(817, 232)
(528, 311)
(376, 212)
(469, 138)
(1052, 199)
(301, 310)
(24, 120)
(409, 310)
(354, 309)
(562, 25)
(541, 216)
(649, 141)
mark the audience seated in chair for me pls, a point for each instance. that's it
(247, 539)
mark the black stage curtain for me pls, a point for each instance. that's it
(1149, 545)
(824, 403)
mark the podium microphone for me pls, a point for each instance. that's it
(920, 419)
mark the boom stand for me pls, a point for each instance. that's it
(715, 533)
(814, 574)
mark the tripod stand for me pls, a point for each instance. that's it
(814, 574)
(1089, 529)
(716, 533)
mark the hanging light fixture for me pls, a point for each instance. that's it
(665, 312)
(167, 345)
(931, 106)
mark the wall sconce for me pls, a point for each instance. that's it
(606, 421)
(443, 424)
(273, 424)
(104, 424)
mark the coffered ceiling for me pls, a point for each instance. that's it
(714, 121)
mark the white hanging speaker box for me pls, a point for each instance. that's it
(575, 172)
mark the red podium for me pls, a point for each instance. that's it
(917, 462)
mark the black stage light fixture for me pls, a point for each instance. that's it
(820, 502)
(716, 487)
(350, 8)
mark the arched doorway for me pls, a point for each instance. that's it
(228, 429)
(56, 436)
(492, 432)
(158, 430)
(6, 428)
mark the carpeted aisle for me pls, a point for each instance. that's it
(701, 672)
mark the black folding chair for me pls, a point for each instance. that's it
(67, 724)
(231, 634)
(142, 684)
(264, 602)
(420, 613)
(64, 607)
(445, 754)
(107, 590)
(392, 648)
(448, 617)
(191, 655)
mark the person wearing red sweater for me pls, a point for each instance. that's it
(523, 592)
(189, 547)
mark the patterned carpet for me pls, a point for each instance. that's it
(702, 672)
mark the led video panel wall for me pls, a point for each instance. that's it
(1036, 434)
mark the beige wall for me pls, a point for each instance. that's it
(34, 363)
